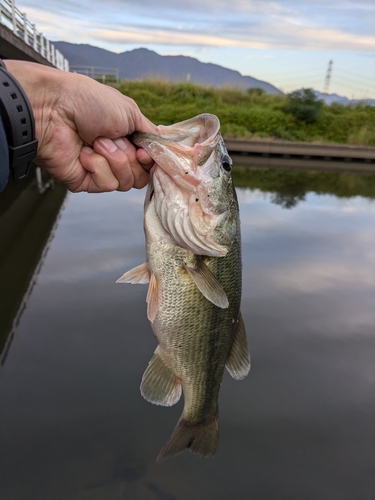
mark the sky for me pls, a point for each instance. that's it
(287, 43)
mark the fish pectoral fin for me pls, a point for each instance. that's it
(238, 362)
(159, 384)
(139, 274)
(152, 299)
(208, 285)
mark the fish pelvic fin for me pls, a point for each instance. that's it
(238, 362)
(139, 274)
(200, 437)
(159, 384)
(208, 284)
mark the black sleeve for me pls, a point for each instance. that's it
(4, 157)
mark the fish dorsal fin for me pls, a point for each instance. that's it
(159, 384)
(139, 274)
(208, 285)
(152, 299)
(238, 362)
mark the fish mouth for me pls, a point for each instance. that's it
(183, 169)
(181, 149)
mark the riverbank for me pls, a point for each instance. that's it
(301, 155)
(251, 114)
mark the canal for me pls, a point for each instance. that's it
(74, 345)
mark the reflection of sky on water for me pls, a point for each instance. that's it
(103, 235)
(73, 424)
(324, 249)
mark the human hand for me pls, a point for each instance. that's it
(81, 126)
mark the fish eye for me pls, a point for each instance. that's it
(227, 163)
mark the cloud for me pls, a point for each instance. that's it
(320, 275)
(300, 37)
(171, 37)
(254, 25)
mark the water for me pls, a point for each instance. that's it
(73, 424)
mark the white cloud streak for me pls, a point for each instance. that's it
(256, 25)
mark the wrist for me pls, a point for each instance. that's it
(39, 85)
(18, 121)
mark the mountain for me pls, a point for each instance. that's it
(334, 98)
(144, 63)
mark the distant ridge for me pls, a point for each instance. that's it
(339, 99)
(143, 63)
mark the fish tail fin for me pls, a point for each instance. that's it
(201, 437)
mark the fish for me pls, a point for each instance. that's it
(193, 268)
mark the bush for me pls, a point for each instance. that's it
(254, 114)
(304, 105)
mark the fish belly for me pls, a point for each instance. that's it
(195, 338)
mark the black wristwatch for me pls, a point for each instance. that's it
(18, 121)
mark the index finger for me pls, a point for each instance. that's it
(144, 159)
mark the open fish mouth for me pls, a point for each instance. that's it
(182, 150)
(187, 162)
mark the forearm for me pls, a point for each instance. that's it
(41, 85)
(73, 112)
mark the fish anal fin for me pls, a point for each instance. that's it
(200, 437)
(238, 362)
(159, 384)
(139, 274)
(207, 284)
(152, 298)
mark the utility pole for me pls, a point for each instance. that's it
(328, 77)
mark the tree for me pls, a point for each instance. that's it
(304, 105)
(255, 91)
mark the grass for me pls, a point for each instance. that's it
(251, 113)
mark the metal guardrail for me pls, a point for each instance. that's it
(97, 72)
(16, 21)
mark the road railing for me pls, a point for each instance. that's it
(16, 21)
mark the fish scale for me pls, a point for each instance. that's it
(193, 266)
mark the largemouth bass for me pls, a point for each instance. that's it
(193, 268)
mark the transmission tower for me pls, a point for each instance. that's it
(328, 77)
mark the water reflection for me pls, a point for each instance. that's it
(28, 211)
(73, 424)
(289, 187)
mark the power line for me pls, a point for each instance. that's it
(358, 89)
(353, 77)
(313, 77)
(354, 73)
(354, 84)
(288, 76)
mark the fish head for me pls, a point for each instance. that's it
(191, 184)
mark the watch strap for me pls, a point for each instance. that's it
(19, 125)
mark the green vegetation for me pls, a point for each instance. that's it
(304, 105)
(253, 113)
(108, 79)
(291, 186)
